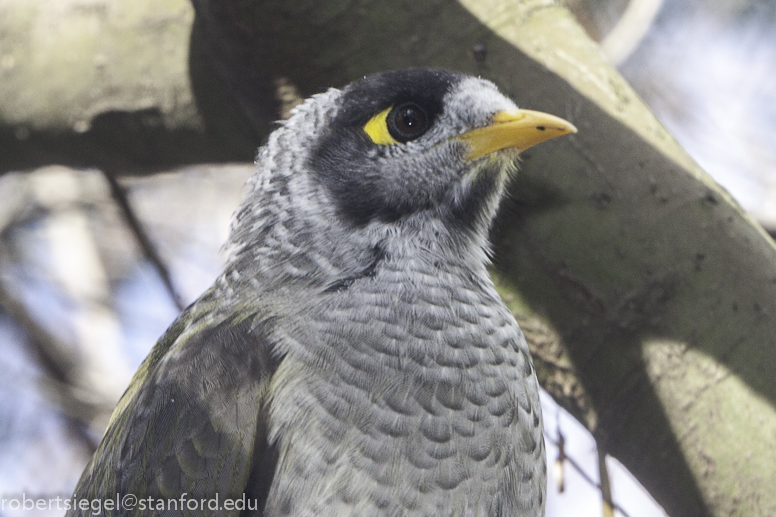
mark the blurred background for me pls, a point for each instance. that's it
(94, 266)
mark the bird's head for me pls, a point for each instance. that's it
(426, 142)
(394, 152)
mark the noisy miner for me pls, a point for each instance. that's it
(354, 358)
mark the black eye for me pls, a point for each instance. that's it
(407, 122)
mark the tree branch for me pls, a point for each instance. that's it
(143, 240)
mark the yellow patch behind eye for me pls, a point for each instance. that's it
(377, 128)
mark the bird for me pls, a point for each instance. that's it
(354, 357)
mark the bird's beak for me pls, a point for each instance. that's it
(514, 129)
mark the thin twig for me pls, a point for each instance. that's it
(606, 485)
(149, 250)
(60, 382)
(576, 466)
(52, 352)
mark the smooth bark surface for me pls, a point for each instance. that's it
(100, 83)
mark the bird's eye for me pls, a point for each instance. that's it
(397, 124)
(407, 122)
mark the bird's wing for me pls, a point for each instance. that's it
(189, 427)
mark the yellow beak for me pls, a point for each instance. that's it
(514, 129)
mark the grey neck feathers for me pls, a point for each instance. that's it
(286, 235)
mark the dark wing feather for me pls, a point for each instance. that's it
(190, 423)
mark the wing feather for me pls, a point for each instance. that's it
(190, 423)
